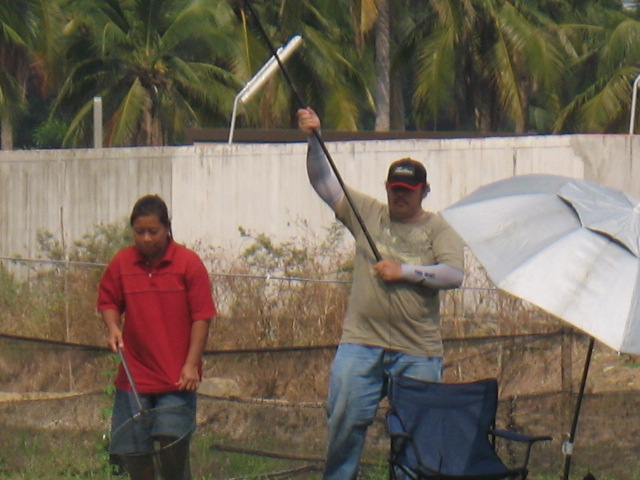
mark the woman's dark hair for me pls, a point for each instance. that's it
(151, 205)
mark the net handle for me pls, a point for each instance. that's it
(125, 364)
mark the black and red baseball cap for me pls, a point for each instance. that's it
(406, 173)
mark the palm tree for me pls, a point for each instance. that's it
(383, 35)
(603, 45)
(329, 73)
(45, 74)
(375, 16)
(485, 62)
(384, 20)
(444, 44)
(158, 65)
(15, 36)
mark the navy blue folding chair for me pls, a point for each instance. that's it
(445, 431)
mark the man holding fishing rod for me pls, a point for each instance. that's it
(392, 324)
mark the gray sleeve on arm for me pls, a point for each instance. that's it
(439, 276)
(321, 175)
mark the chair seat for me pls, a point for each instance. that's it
(444, 431)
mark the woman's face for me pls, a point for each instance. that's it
(151, 237)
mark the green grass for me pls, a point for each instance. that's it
(63, 455)
(32, 454)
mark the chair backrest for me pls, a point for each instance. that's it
(449, 424)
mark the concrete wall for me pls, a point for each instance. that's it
(213, 189)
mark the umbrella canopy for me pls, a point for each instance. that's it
(568, 246)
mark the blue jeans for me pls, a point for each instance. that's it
(359, 380)
(125, 407)
(157, 437)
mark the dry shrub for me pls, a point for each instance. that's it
(282, 305)
(278, 295)
(54, 296)
(489, 333)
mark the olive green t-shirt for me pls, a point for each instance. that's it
(400, 316)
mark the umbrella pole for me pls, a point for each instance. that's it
(567, 447)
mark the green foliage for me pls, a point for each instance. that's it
(101, 245)
(161, 67)
(50, 134)
(9, 290)
(55, 456)
(286, 258)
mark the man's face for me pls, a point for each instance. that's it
(405, 204)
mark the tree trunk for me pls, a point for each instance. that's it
(397, 105)
(398, 110)
(383, 68)
(6, 132)
(151, 130)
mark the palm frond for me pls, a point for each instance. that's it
(435, 76)
(125, 123)
(212, 23)
(341, 110)
(76, 131)
(506, 77)
(623, 47)
(612, 99)
(603, 97)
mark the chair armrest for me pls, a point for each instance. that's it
(400, 436)
(518, 437)
(400, 442)
(403, 442)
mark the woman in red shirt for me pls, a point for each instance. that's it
(155, 299)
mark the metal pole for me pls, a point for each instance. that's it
(131, 380)
(97, 122)
(233, 118)
(634, 97)
(567, 447)
(265, 73)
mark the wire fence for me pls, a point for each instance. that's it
(261, 406)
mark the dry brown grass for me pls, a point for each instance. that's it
(277, 309)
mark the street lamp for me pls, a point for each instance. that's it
(634, 97)
(264, 74)
(97, 122)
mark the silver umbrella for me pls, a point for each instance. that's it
(568, 246)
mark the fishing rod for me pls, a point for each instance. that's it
(316, 134)
(132, 382)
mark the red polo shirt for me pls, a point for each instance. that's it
(159, 304)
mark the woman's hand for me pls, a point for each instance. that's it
(111, 319)
(189, 378)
